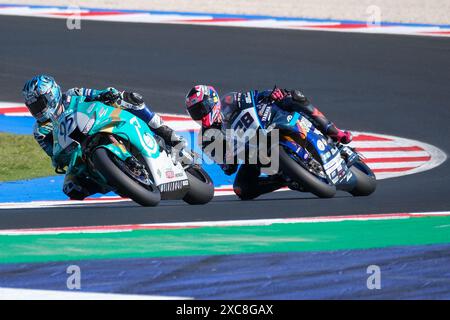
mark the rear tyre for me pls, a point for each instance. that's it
(366, 181)
(201, 187)
(306, 179)
(147, 196)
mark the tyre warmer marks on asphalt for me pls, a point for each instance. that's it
(224, 20)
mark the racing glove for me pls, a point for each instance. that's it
(43, 134)
(299, 97)
(341, 136)
(109, 96)
(170, 137)
(278, 94)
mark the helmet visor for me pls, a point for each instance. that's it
(38, 108)
(201, 109)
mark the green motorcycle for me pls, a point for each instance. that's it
(118, 152)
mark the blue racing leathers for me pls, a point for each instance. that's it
(249, 183)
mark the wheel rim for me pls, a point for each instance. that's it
(135, 171)
(314, 167)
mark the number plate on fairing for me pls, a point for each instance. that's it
(65, 127)
(63, 144)
(245, 128)
(246, 120)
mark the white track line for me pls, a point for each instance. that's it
(384, 165)
(395, 154)
(193, 19)
(224, 223)
(437, 155)
(10, 105)
(30, 294)
(221, 191)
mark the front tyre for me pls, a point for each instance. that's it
(306, 179)
(147, 196)
(201, 187)
(366, 182)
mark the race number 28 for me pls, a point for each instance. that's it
(244, 122)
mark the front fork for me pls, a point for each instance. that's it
(350, 155)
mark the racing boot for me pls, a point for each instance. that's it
(249, 185)
(169, 136)
(134, 103)
(301, 104)
(78, 188)
(338, 135)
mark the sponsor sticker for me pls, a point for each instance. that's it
(248, 97)
(149, 141)
(320, 145)
(91, 107)
(170, 174)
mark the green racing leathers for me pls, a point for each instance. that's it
(78, 188)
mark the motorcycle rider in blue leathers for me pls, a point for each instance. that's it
(203, 104)
(44, 99)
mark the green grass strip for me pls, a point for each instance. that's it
(22, 158)
(229, 240)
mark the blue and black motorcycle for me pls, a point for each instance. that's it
(309, 161)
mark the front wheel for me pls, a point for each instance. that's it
(112, 169)
(366, 182)
(201, 187)
(306, 179)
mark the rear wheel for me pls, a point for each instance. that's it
(302, 176)
(201, 187)
(366, 181)
(128, 181)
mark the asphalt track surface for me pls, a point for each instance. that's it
(397, 85)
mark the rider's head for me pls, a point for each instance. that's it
(203, 104)
(42, 97)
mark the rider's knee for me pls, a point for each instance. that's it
(74, 190)
(246, 183)
(245, 192)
